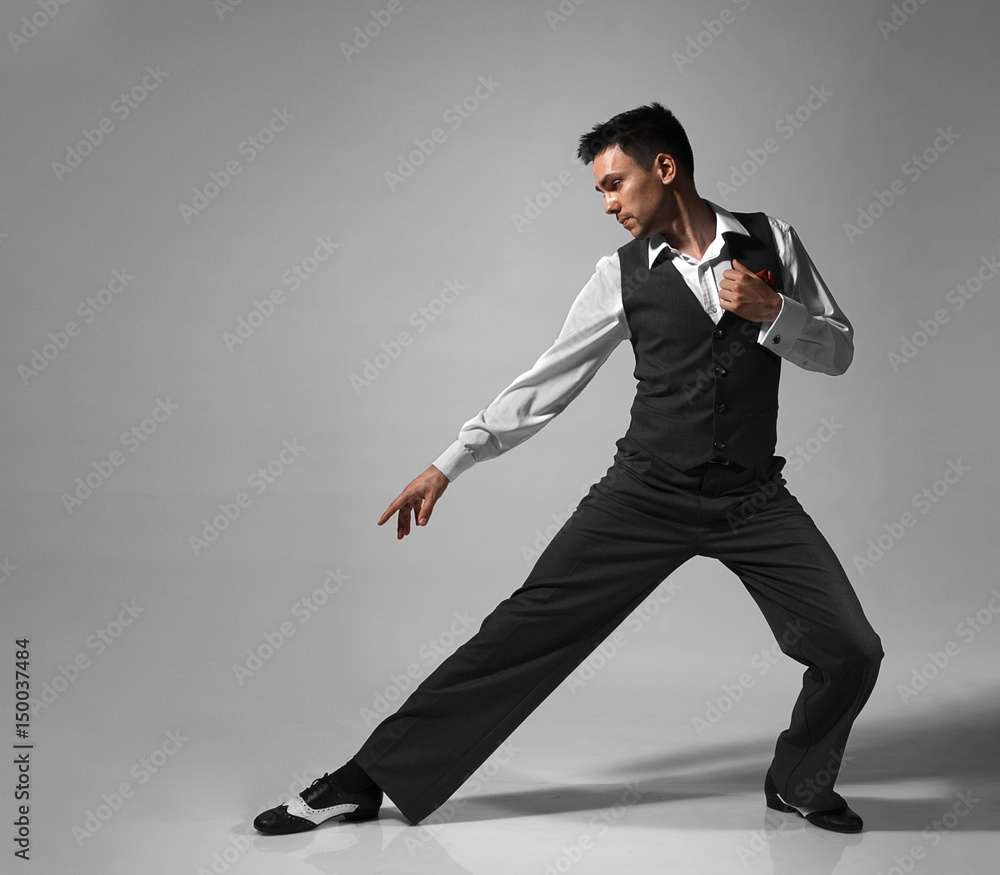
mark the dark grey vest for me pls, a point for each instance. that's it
(704, 390)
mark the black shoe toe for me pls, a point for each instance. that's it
(277, 821)
(843, 820)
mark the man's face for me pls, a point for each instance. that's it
(635, 196)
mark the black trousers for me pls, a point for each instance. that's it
(634, 528)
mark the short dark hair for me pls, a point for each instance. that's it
(642, 134)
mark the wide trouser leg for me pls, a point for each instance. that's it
(625, 537)
(795, 578)
(599, 567)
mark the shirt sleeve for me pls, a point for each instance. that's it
(811, 330)
(594, 326)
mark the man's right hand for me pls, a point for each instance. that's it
(420, 496)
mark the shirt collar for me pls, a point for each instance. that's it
(725, 223)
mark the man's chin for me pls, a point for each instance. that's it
(635, 228)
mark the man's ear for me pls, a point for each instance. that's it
(665, 167)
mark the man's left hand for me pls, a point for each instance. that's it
(747, 295)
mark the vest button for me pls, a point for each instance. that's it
(720, 371)
(720, 445)
(721, 408)
(719, 333)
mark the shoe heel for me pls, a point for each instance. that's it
(772, 800)
(368, 811)
(778, 805)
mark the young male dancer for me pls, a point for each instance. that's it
(711, 302)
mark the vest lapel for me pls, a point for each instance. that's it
(682, 292)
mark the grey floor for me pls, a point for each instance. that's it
(609, 782)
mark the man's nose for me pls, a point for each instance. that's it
(611, 205)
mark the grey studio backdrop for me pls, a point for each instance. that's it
(261, 260)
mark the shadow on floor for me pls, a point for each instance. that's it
(950, 754)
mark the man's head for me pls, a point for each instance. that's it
(643, 165)
(642, 134)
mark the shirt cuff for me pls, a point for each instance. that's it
(782, 333)
(454, 461)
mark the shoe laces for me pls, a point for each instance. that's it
(316, 789)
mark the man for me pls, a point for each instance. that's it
(711, 303)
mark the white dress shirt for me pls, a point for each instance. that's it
(810, 331)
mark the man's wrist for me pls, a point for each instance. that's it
(453, 461)
(776, 306)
